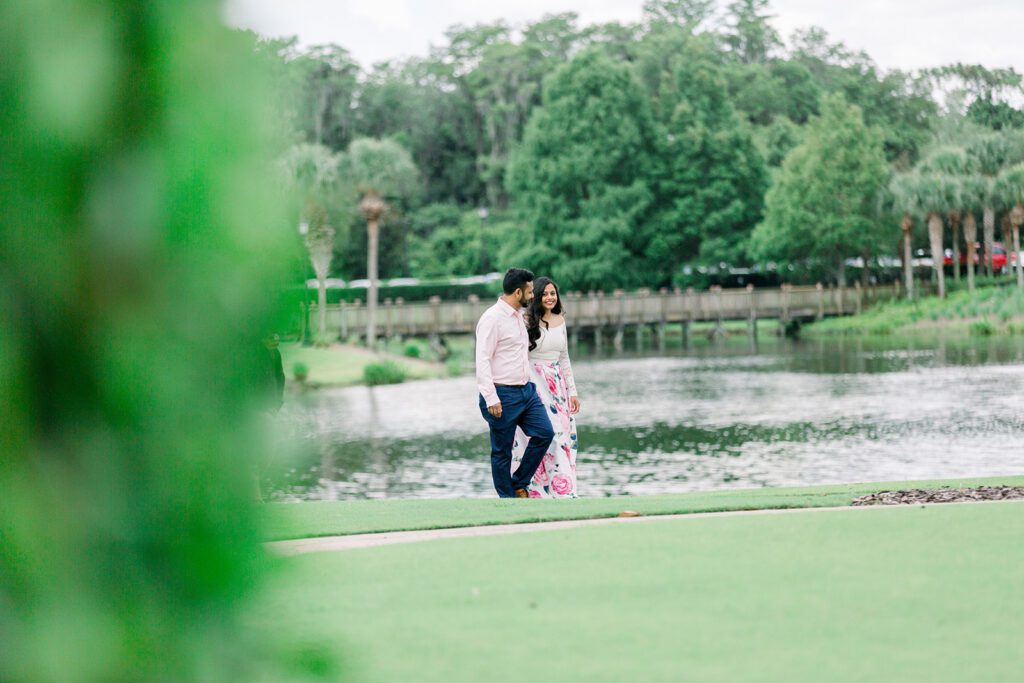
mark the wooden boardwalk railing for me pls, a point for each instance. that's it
(598, 313)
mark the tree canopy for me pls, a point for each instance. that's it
(823, 203)
(716, 101)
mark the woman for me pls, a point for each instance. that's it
(551, 371)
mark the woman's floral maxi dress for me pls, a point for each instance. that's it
(551, 371)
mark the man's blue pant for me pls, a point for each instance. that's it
(520, 407)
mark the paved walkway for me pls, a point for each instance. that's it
(354, 541)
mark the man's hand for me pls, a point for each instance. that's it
(574, 405)
(495, 410)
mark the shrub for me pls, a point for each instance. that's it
(982, 328)
(300, 371)
(412, 351)
(384, 372)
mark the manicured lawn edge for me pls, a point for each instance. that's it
(284, 521)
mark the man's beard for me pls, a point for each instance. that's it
(524, 301)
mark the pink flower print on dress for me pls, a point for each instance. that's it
(561, 484)
(552, 385)
(541, 476)
(535, 494)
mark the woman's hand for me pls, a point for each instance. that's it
(574, 405)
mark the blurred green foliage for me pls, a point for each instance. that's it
(137, 259)
(384, 372)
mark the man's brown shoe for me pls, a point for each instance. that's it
(522, 493)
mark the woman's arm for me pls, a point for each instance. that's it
(570, 380)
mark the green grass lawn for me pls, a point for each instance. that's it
(343, 364)
(305, 520)
(896, 594)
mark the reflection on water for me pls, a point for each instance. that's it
(782, 413)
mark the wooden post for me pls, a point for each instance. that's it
(841, 294)
(357, 305)
(435, 318)
(860, 295)
(643, 296)
(620, 323)
(343, 326)
(389, 319)
(821, 300)
(663, 322)
(719, 330)
(752, 319)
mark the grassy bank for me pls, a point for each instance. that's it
(994, 308)
(344, 364)
(329, 518)
(906, 594)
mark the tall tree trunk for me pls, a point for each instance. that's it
(1004, 224)
(971, 236)
(373, 235)
(865, 273)
(318, 118)
(988, 225)
(1016, 218)
(907, 225)
(954, 227)
(841, 272)
(935, 237)
(1016, 251)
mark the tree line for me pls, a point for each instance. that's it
(613, 155)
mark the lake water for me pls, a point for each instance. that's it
(736, 414)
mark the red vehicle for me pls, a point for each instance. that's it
(1001, 259)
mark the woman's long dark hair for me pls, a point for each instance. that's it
(535, 313)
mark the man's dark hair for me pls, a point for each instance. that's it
(516, 278)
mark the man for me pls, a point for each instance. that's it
(508, 399)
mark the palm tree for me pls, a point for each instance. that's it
(379, 169)
(932, 195)
(992, 153)
(900, 197)
(1010, 186)
(312, 173)
(956, 165)
(973, 194)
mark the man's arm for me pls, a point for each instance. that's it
(486, 341)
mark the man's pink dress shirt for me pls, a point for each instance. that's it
(501, 350)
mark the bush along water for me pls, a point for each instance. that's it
(384, 372)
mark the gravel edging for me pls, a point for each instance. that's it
(941, 495)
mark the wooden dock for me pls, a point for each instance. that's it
(598, 314)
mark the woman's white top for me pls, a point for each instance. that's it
(553, 347)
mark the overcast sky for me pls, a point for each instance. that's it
(906, 34)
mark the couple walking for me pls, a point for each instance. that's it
(527, 392)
